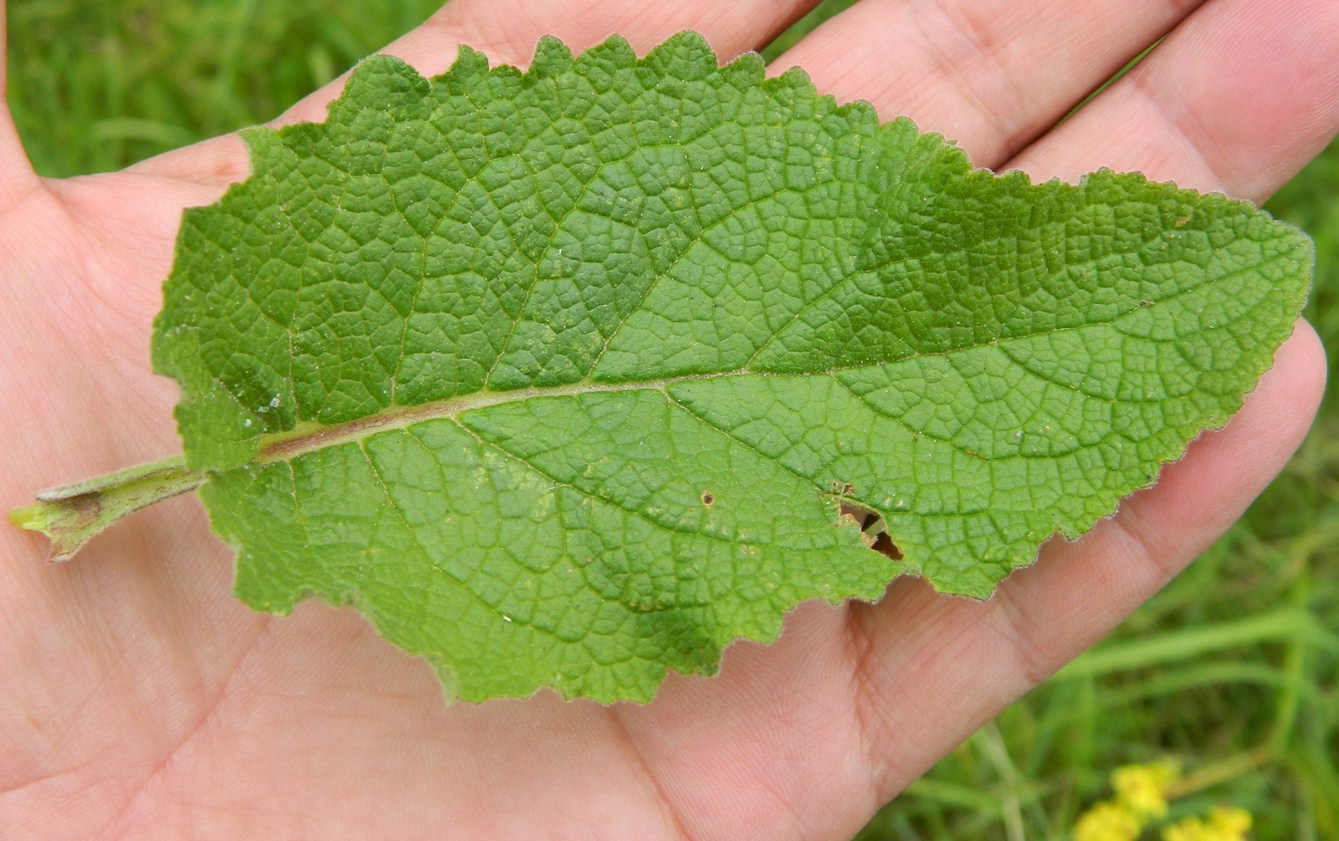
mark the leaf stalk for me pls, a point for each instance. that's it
(71, 516)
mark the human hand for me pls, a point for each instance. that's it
(141, 700)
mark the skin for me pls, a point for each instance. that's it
(142, 701)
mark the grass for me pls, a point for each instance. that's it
(98, 85)
(1233, 668)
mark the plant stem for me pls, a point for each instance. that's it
(1221, 771)
(72, 515)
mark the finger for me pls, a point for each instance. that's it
(990, 76)
(507, 31)
(1236, 100)
(16, 173)
(937, 668)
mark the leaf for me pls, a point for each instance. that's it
(570, 376)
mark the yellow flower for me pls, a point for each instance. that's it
(1107, 821)
(1222, 824)
(1229, 823)
(1143, 788)
(1189, 829)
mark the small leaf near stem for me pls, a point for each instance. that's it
(71, 516)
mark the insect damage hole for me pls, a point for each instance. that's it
(873, 529)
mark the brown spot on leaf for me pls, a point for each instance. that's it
(708, 498)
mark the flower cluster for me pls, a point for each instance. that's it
(1221, 824)
(1141, 795)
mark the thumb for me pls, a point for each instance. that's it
(16, 173)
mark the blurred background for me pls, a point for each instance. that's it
(1232, 671)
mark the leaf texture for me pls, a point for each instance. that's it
(570, 376)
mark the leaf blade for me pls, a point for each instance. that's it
(525, 365)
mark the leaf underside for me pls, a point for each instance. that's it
(570, 376)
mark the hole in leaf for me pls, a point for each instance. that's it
(873, 529)
(708, 498)
(884, 545)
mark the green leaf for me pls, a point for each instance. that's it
(569, 376)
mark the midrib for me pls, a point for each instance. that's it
(310, 436)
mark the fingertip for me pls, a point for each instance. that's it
(1313, 365)
(1276, 415)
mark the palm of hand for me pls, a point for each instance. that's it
(139, 690)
